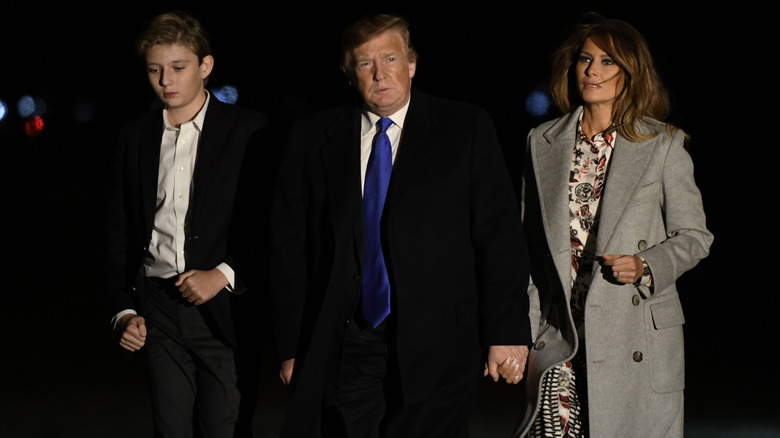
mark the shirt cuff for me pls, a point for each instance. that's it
(647, 275)
(227, 271)
(116, 317)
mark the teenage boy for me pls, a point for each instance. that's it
(172, 244)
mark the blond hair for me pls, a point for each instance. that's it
(368, 28)
(176, 28)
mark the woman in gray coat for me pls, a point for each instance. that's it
(613, 217)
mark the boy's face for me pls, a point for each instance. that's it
(176, 76)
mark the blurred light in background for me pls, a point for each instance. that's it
(28, 106)
(33, 126)
(3, 110)
(83, 112)
(226, 94)
(537, 104)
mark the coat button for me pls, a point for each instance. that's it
(357, 277)
(642, 245)
(638, 356)
(635, 300)
(539, 345)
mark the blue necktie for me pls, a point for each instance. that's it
(376, 286)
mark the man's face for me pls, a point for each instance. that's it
(176, 76)
(384, 73)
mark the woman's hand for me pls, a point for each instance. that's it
(625, 268)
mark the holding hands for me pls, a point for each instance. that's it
(506, 362)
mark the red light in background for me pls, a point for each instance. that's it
(33, 126)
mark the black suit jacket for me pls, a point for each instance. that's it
(227, 134)
(452, 239)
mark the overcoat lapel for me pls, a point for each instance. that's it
(627, 164)
(554, 156)
(341, 166)
(414, 149)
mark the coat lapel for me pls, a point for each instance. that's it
(415, 147)
(341, 163)
(212, 140)
(554, 156)
(626, 167)
(149, 166)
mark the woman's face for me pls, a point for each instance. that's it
(599, 79)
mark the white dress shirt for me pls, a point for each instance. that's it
(166, 256)
(368, 132)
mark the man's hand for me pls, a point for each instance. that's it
(507, 362)
(197, 286)
(132, 329)
(286, 372)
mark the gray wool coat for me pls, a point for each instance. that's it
(652, 208)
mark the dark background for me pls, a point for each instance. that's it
(60, 371)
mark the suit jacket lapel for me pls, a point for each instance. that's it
(149, 166)
(212, 140)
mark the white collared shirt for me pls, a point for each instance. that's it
(178, 154)
(368, 132)
(166, 256)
